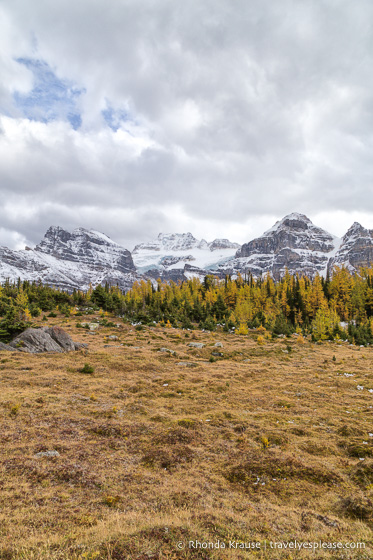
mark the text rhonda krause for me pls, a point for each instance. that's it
(292, 545)
(229, 544)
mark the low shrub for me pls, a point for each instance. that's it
(87, 369)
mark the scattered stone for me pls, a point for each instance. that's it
(218, 345)
(47, 454)
(187, 364)
(196, 344)
(220, 354)
(91, 326)
(113, 337)
(167, 350)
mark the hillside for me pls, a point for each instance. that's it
(166, 443)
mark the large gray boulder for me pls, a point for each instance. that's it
(35, 341)
(46, 339)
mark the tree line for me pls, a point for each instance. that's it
(340, 306)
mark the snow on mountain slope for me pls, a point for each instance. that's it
(293, 243)
(85, 246)
(70, 261)
(170, 252)
(356, 249)
(78, 259)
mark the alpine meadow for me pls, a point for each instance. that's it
(186, 280)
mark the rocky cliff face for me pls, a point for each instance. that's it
(71, 261)
(77, 259)
(293, 243)
(356, 249)
(295, 231)
(88, 247)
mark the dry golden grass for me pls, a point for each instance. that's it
(261, 445)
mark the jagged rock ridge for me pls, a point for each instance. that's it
(356, 249)
(71, 261)
(171, 255)
(84, 257)
(183, 242)
(87, 247)
(293, 243)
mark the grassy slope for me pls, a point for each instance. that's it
(261, 445)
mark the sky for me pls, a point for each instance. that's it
(216, 117)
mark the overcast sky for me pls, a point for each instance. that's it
(136, 117)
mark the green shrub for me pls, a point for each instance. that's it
(87, 369)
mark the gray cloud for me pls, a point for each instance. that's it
(228, 115)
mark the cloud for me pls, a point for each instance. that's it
(12, 239)
(140, 117)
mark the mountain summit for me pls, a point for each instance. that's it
(294, 231)
(356, 249)
(71, 261)
(84, 257)
(171, 254)
(293, 243)
(89, 247)
(183, 242)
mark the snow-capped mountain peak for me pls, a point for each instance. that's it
(87, 257)
(71, 260)
(218, 244)
(168, 242)
(293, 222)
(356, 249)
(293, 243)
(354, 230)
(183, 242)
(172, 252)
(177, 241)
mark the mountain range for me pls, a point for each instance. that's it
(84, 257)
